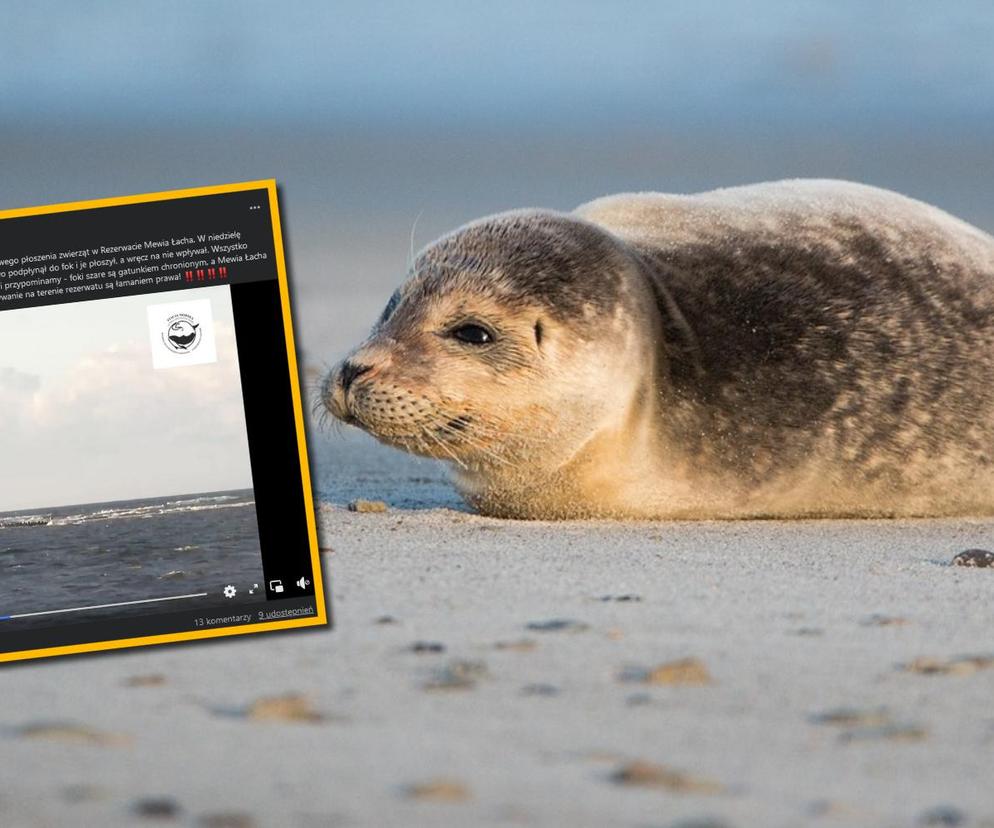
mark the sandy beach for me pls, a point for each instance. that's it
(486, 672)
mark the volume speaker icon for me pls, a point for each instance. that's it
(303, 583)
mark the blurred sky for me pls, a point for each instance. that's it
(490, 63)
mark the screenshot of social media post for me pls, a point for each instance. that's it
(156, 486)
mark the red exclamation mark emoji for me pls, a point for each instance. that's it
(223, 270)
(211, 273)
(200, 274)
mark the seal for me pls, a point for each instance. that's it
(785, 349)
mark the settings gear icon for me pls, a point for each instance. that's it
(230, 591)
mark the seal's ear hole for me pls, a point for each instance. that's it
(538, 332)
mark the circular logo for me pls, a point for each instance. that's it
(182, 333)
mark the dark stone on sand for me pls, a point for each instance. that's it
(557, 625)
(160, 807)
(620, 598)
(977, 558)
(427, 647)
(942, 815)
(385, 619)
(852, 717)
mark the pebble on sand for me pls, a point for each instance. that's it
(981, 558)
(880, 620)
(360, 505)
(70, 732)
(422, 647)
(943, 815)
(961, 666)
(557, 625)
(146, 680)
(292, 707)
(852, 717)
(685, 672)
(231, 819)
(642, 774)
(807, 631)
(159, 807)
(867, 725)
(891, 732)
(457, 675)
(540, 690)
(523, 645)
(439, 790)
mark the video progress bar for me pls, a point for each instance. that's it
(102, 606)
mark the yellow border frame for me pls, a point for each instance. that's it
(321, 618)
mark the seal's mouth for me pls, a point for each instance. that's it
(344, 414)
(401, 418)
(333, 400)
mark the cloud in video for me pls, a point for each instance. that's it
(87, 418)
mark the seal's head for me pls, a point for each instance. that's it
(515, 341)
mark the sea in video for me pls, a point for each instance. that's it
(130, 550)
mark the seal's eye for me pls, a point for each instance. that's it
(472, 334)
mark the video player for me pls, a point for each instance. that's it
(156, 485)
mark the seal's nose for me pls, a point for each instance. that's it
(349, 372)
